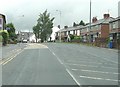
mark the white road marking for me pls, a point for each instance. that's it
(73, 77)
(84, 61)
(92, 71)
(87, 77)
(90, 66)
(103, 58)
(57, 58)
(65, 67)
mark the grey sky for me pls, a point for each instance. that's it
(72, 11)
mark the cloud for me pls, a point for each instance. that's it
(72, 11)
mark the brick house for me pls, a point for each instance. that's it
(2, 22)
(66, 31)
(99, 29)
(115, 31)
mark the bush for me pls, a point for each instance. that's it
(5, 37)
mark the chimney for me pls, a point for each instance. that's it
(106, 16)
(94, 19)
(65, 27)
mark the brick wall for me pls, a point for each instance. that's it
(105, 30)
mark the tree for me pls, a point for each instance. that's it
(82, 23)
(74, 24)
(45, 25)
(4, 37)
(11, 30)
(36, 31)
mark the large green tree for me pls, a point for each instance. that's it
(44, 26)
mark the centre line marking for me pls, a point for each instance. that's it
(73, 77)
(65, 67)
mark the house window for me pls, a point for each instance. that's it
(114, 25)
(74, 32)
(0, 21)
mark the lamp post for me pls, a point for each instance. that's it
(60, 23)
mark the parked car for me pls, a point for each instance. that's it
(24, 41)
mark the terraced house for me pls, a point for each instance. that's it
(2, 22)
(99, 29)
(115, 31)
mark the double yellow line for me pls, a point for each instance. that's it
(5, 61)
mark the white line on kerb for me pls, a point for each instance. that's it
(73, 77)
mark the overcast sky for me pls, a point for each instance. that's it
(71, 11)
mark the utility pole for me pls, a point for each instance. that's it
(90, 24)
(60, 24)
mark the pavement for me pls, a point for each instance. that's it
(61, 64)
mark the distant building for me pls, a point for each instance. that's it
(2, 22)
(119, 8)
(24, 36)
(54, 29)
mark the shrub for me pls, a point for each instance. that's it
(5, 37)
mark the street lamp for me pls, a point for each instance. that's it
(60, 23)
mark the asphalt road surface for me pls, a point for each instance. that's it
(61, 64)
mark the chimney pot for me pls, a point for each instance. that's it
(106, 16)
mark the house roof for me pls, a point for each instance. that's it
(70, 29)
(101, 21)
(3, 17)
(116, 19)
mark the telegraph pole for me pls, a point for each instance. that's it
(60, 24)
(90, 23)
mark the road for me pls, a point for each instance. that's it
(61, 64)
(10, 49)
